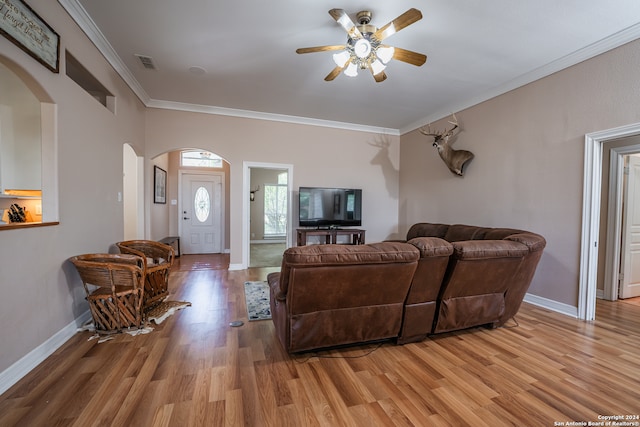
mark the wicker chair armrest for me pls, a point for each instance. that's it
(159, 253)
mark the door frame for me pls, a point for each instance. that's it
(246, 190)
(592, 193)
(223, 207)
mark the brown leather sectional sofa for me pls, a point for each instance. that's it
(443, 278)
(486, 276)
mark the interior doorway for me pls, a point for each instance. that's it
(591, 213)
(267, 207)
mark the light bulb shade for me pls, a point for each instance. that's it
(377, 67)
(352, 70)
(341, 58)
(385, 54)
(362, 48)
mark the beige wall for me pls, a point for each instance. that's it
(41, 292)
(320, 157)
(528, 169)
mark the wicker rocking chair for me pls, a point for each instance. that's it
(158, 259)
(114, 287)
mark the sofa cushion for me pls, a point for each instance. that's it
(374, 253)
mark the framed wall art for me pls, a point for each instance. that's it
(159, 185)
(22, 25)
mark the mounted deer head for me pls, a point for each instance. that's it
(455, 160)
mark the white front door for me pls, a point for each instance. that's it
(630, 259)
(201, 214)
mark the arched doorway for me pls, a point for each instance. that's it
(132, 193)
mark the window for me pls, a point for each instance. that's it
(202, 204)
(275, 207)
(202, 159)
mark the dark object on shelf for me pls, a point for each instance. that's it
(17, 214)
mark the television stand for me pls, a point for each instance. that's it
(331, 235)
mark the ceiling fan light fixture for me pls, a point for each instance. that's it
(385, 53)
(341, 58)
(377, 67)
(352, 70)
(362, 48)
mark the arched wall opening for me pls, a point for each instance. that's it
(132, 193)
(43, 149)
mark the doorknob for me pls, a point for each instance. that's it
(184, 217)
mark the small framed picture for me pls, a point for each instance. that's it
(159, 185)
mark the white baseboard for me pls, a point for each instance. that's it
(236, 267)
(552, 305)
(22, 367)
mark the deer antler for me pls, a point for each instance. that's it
(443, 133)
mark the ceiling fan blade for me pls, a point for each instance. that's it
(333, 74)
(380, 77)
(408, 56)
(402, 21)
(343, 19)
(320, 48)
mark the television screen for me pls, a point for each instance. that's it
(330, 207)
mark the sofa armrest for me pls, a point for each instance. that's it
(273, 279)
(534, 242)
(484, 249)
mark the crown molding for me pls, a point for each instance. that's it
(222, 111)
(615, 40)
(86, 24)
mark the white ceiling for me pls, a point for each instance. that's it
(475, 49)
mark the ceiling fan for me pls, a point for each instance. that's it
(364, 48)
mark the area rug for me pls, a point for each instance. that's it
(159, 313)
(256, 295)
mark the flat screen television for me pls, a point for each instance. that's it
(330, 207)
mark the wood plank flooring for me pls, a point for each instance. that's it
(195, 370)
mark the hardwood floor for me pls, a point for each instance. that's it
(196, 370)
